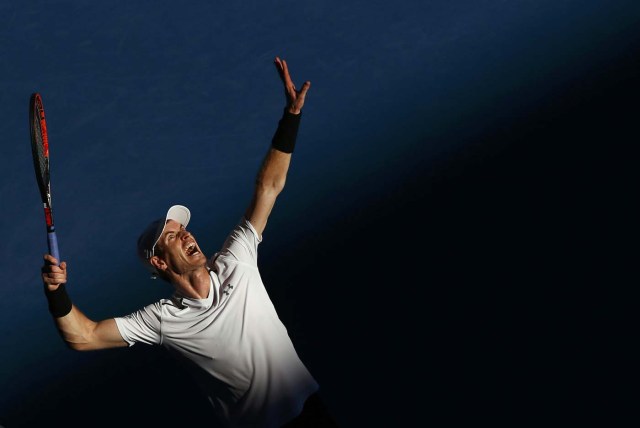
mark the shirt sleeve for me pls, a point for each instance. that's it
(242, 244)
(142, 325)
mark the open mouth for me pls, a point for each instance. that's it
(191, 249)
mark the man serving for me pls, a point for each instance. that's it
(220, 320)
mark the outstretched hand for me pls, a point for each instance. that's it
(295, 98)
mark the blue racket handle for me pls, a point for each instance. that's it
(52, 240)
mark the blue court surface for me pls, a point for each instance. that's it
(447, 237)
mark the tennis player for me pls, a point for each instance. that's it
(220, 319)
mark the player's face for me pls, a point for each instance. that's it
(179, 249)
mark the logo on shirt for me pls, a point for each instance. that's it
(227, 289)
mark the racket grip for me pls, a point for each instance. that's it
(52, 240)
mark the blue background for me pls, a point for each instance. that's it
(449, 228)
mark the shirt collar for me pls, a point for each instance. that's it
(188, 302)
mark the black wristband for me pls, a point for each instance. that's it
(59, 301)
(285, 137)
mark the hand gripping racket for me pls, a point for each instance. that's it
(40, 149)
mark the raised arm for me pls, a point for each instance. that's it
(273, 172)
(79, 332)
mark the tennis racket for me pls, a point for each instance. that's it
(40, 149)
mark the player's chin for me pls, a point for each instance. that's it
(197, 259)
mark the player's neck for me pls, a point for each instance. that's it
(194, 284)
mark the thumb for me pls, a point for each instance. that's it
(305, 88)
(302, 94)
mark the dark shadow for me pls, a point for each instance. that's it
(463, 294)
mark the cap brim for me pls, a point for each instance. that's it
(178, 213)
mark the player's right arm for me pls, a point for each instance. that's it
(78, 331)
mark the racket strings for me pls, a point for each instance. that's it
(40, 159)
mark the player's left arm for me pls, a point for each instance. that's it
(273, 172)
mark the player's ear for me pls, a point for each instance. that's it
(158, 263)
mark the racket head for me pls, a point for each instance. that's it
(40, 147)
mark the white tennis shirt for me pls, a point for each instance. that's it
(233, 341)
